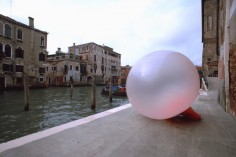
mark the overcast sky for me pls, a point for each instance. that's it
(132, 28)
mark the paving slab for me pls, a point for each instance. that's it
(128, 134)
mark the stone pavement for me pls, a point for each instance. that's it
(128, 134)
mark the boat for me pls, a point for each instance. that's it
(117, 90)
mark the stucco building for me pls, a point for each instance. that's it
(100, 61)
(62, 68)
(225, 48)
(23, 52)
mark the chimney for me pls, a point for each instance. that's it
(31, 22)
(74, 44)
(59, 49)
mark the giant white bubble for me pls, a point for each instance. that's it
(162, 84)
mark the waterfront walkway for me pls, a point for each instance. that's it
(128, 134)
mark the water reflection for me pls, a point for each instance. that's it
(48, 108)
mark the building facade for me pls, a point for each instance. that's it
(22, 52)
(225, 11)
(62, 68)
(99, 61)
(227, 55)
(209, 38)
(124, 73)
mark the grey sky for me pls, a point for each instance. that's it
(131, 27)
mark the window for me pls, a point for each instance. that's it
(95, 67)
(87, 48)
(7, 30)
(70, 67)
(7, 67)
(19, 80)
(19, 53)
(42, 57)
(41, 79)
(77, 68)
(1, 28)
(71, 79)
(42, 42)
(8, 50)
(41, 70)
(2, 55)
(83, 69)
(1, 47)
(54, 68)
(95, 59)
(19, 68)
(19, 34)
(64, 79)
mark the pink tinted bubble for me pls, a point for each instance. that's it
(162, 84)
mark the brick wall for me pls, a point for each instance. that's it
(232, 78)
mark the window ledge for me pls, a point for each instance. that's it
(8, 37)
(19, 40)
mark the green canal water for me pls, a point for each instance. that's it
(48, 108)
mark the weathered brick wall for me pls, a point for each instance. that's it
(232, 78)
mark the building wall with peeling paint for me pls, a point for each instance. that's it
(227, 58)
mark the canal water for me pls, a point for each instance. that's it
(48, 108)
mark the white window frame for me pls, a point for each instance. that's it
(42, 43)
(3, 27)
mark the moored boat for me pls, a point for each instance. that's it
(117, 90)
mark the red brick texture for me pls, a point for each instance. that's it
(232, 77)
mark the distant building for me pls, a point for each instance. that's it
(99, 61)
(209, 38)
(62, 68)
(22, 52)
(124, 73)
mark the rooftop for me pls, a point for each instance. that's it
(20, 24)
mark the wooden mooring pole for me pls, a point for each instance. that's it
(26, 92)
(93, 105)
(110, 90)
(71, 88)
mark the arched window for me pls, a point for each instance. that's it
(1, 28)
(19, 34)
(8, 51)
(42, 41)
(7, 30)
(1, 47)
(1, 52)
(19, 53)
(42, 57)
